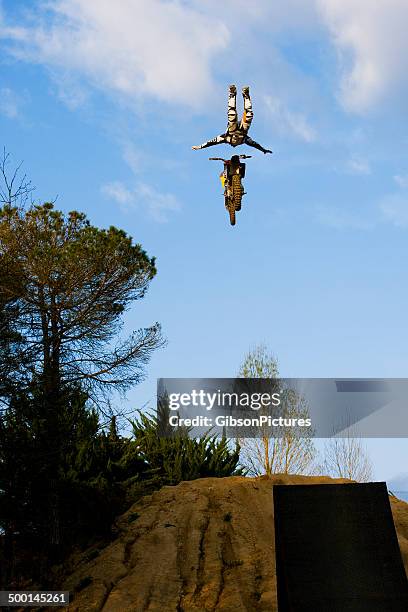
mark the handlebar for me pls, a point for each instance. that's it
(225, 160)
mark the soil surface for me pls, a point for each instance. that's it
(203, 545)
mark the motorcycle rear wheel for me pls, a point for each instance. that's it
(232, 216)
(229, 205)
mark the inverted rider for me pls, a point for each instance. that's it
(236, 133)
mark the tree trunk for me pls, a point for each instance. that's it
(267, 462)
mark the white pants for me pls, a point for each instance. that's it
(233, 115)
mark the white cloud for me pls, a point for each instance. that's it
(288, 122)
(10, 103)
(370, 36)
(72, 93)
(273, 16)
(394, 208)
(141, 161)
(390, 209)
(401, 180)
(118, 192)
(340, 219)
(166, 49)
(156, 203)
(149, 47)
(134, 158)
(358, 165)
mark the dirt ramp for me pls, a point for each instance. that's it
(204, 545)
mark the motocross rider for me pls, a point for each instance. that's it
(236, 134)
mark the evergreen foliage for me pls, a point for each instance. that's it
(64, 286)
(100, 474)
(70, 284)
(89, 474)
(173, 458)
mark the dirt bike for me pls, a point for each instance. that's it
(231, 178)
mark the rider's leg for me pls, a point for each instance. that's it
(248, 114)
(224, 179)
(232, 109)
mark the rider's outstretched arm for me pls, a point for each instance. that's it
(217, 140)
(256, 145)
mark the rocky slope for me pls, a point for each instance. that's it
(204, 545)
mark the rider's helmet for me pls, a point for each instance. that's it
(235, 159)
(236, 139)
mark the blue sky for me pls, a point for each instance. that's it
(103, 105)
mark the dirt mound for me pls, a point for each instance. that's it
(201, 545)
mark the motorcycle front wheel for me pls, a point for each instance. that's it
(237, 191)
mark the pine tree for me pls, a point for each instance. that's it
(173, 458)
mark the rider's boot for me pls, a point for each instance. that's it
(232, 90)
(245, 91)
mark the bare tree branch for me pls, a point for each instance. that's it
(13, 193)
(288, 453)
(346, 457)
